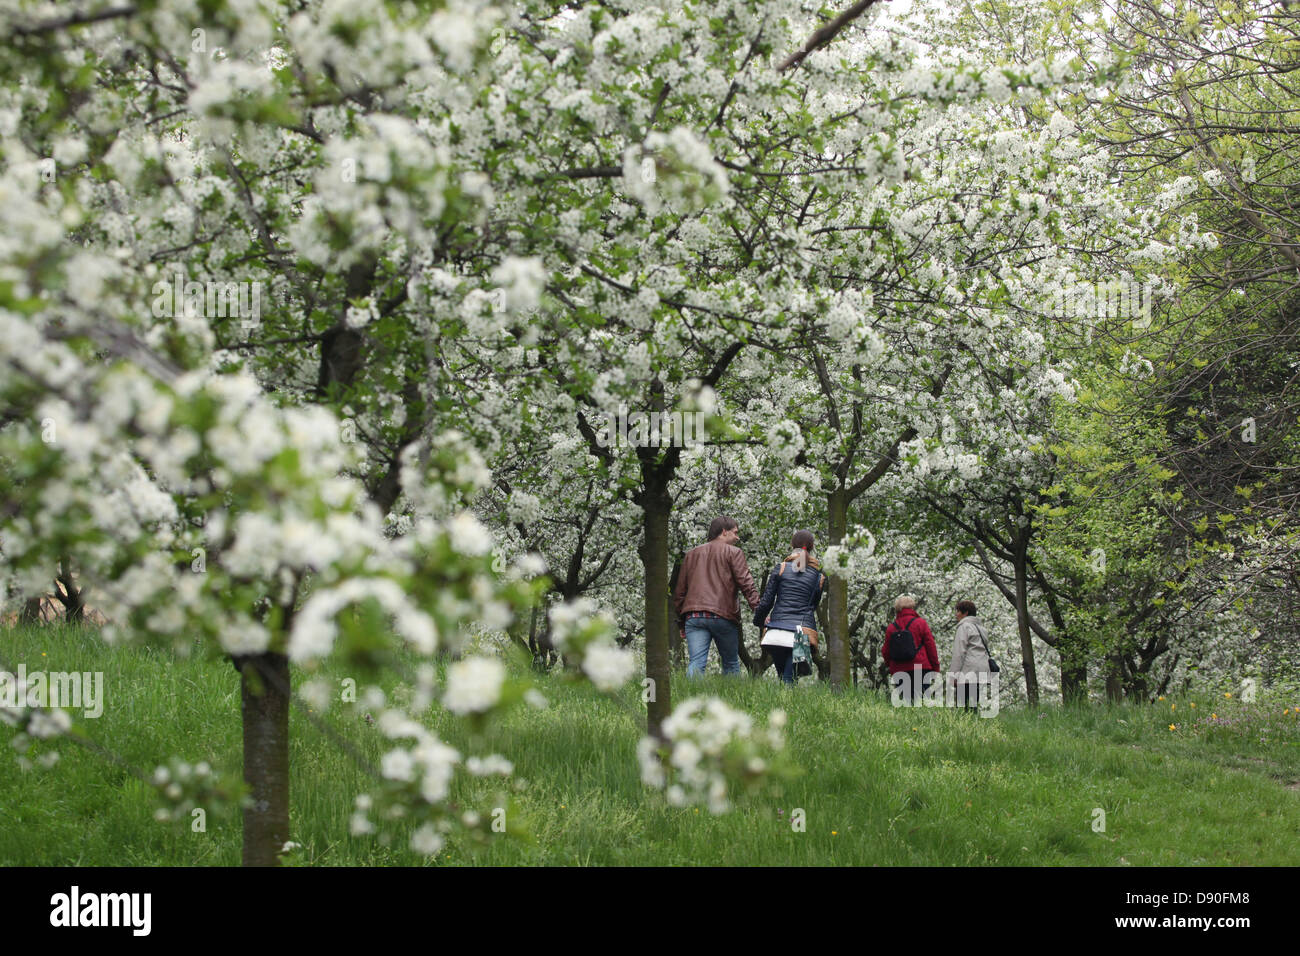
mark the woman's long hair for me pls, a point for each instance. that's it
(801, 550)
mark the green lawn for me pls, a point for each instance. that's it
(879, 785)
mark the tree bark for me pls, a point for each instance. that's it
(1115, 678)
(1022, 617)
(1073, 652)
(32, 611)
(69, 594)
(264, 695)
(656, 506)
(1074, 672)
(676, 643)
(837, 595)
(746, 661)
(389, 487)
(755, 667)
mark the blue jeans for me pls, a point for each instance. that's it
(701, 630)
(783, 661)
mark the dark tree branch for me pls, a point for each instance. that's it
(824, 35)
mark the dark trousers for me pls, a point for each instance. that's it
(783, 658)
(909, 686)
(968, 695)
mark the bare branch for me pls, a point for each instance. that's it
(824, 35)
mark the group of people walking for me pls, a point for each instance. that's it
(705, 599)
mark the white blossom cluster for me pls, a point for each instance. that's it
(418, 779)
(183, 787)
(31, 724)
(707, 744)
(474, 685)
(582, 630)
(676, 168)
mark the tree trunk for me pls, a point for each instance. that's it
(1073, 652)
(1022, 618)
(1115, 678)
(655, 508)
(823, 669)
(264, 691)
(534, 648)
(746, 661)
(676, 643)
(1074, 682)
(32, 611)
(755, 667)
(837, 596)
(74, 604)
(1074, 670)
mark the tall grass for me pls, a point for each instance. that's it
(878, 784)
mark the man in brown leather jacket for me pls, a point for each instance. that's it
(706, 597)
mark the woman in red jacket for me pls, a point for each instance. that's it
(909, 651)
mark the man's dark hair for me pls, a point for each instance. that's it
(966, 607)
(802, 539)
(721, 524)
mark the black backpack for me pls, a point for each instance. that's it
(902, 644)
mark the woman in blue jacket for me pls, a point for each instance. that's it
(788, 607)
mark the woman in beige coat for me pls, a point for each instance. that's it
(970, 659)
